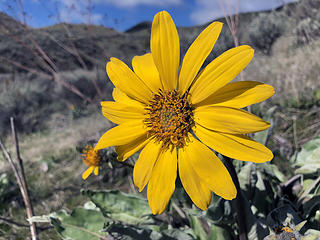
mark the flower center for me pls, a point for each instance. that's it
(169, 118)
(91, 157)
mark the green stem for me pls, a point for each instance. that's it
(239, 204)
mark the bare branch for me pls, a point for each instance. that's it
(29, 208)
(21, 187)
(18, 224)
(47, 63)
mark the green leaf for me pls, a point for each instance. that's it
(219, 211)
(218, 233)
(81, 224)
(262, 137)
(308, 159)
(124, 232)
(317, 190)
(252, 178)
(311, 234)
(312, 205)
(122, 207)
(176, 234)
(197, 228)
(271, 170)
(256, 229)
(246, 177)
(281, 215)
(300, 225)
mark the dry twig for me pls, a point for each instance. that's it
(20, 177)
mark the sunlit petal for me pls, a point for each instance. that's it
(197, 54)
(229, 120)
(127, 150)
(122, 134)
(143, 168)
(119, 113)
(239, 94)
(165, 49)
(87, 173)
(147, 71)
(209, 168)
(197, 190)
(238, 147)
(127, 81)
(219, 72)
(96, 171)
(121, 97)
(162, 182)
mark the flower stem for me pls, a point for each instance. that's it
(239, 205)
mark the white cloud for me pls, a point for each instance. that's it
(77, 11)
(208, 10)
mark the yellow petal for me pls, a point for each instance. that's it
(127, 150)
(165, 49)
(197, 54)
(162, 182)
(119, 113)
(209, 168)
(229, 120)
(238, 147)
(122, 134)
(121, 97)
(87, 173)
(96, 171)
(199, 193)
(147, 71)
(127, 81)
(220, 71)
(143, 167)
(239, 94)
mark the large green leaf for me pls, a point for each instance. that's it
(255, 228)
(122, 207)
(255, 181)
(308, 159)
(125, 232)
(81, 224)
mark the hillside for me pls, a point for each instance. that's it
(94, 44)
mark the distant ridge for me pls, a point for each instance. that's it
(139, 27)
(9, 22)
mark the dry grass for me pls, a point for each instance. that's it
(293, 72)
(63, 132)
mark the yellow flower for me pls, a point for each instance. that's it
(92, 159)
(176, 116)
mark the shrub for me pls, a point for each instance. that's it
(265, 29)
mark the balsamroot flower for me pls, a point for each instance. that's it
(92, 159)
(176, 116)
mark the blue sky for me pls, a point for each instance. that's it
(123, 14)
